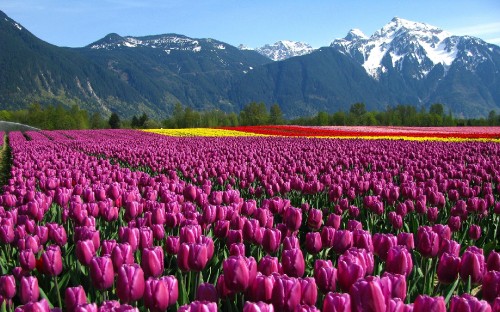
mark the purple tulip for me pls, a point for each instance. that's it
(57, 234)
(262, 288)
(406, 239)
(326, 278)
(291, 242)
(293, 262)
(107, 247)
(239, 272)
(268, 265)
(28, 289)
(472, 265)
(493, 262)
(362, 239)
(474, 232)
(257, 307)
(101, 272)
(74, 296)
(122, 254)
(198, 257)
(367, 295)
(315, 219)
(199, 306)
(309, 291)
(130, 283)
(271, 240)
(382, 243)
(293, 218)
(86, 307)
(447, 270)
(342, 241)
(207, 292)
(27, 260)
(156, 296)
(467, 302)
(427, 241)
(327, 236)
(52, 261)
(152, 261)
(395, 283)
(399, 261)
(335, 302)
(491, 286)
(286, 293)
(7, 286)
(313, 242)
(449, 246)
(424, 303)
(85, 251)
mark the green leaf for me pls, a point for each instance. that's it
(4, 306)
(44, 296)
(451, 290)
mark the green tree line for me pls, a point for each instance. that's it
(60, 117)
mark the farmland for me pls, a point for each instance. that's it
(270, 218)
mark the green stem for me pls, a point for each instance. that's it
(58, 292)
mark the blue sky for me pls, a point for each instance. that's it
(76, 23)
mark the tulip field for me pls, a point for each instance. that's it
(265, 218)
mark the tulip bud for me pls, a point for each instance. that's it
(315, 219)
(73, 297)
(85, 251)
(491, 286)
(367, 295)
(27, 260)
(382, 243)
(7, 286)
(239, 272)
(28, 290)
(152, 261)
(207, 292)
(271, 240)
(293, 262)
(335, 302)
(52, 261)
(101, 272)
(472, 265)
(268, 265)
(467, 302)
(286, 293)
(156, 296)
(257, 307)
(474, 232)
(313, 242)
(293, 218)
(424, 303)
(447, 270)
(130, 283)
(399, 261)
(262, 288)
(427, 241)
(198, 257)
(493, 262)
(342, 241)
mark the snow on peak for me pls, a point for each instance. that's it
(244, 47)
(419, 43)
(355, 34)
(284, 49)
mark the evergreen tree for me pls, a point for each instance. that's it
(276, 115)
(254, 114)
(114, 121)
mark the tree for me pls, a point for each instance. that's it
(357, 109)
(254, 114)
(437, 109)
(135, 122)
(322, 119)
(276, 115)
(142, 120)
(96, 121)
(114, 121)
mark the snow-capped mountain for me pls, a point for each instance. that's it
(411, 47)
(167, 43)
(285, 49)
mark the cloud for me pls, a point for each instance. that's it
(477, 30)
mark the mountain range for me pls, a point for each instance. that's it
(402, 63)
